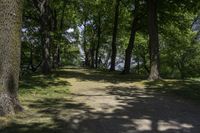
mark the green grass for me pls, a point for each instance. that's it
(186, 89)
(41, 96)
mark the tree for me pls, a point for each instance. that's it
(153, 40)
(129, 49)
(115, 30)
(45, 14)
(10, 26)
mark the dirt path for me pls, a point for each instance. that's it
(101, 102)
(125, 107)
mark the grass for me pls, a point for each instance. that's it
(186, 89)
(45, 98)
(37, 93)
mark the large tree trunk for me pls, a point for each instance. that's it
(129, 50)
(115, 30)
(153, 40)
(10, 26)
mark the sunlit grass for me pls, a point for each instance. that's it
(34, 90)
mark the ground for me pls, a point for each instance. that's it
(74, 100)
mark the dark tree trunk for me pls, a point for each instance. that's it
(44, 8)
(98, 43)
(129, 50)
(138, 65)
(115, 30)
(58, 57)
(153, 40)
(92, 55)
(56, 53)
(145, 63)
(10, 26)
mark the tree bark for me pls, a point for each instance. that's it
(153, 40)
(10, 26)
(129, 50)
(115, 30)
(45, 34)
(99, 40)
(92, 55)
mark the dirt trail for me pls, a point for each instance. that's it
(125, 107)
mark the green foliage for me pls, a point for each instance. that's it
(178, 48)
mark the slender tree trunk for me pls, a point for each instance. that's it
(138, 65)
(92, 55)
(99, 39)
(10, 26)
(153, 40)
(115, 30)
(45, 37)
(86, 51)
(129, 50)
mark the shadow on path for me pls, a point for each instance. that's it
(138, 111)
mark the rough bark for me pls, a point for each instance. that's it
(115, 30)
(153, 40)
(10, 26)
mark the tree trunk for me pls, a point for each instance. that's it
(99, 39)
(45, 37)
(128, 53)
(10, 26)
(153, 40)
(115, 30)
(92, 55)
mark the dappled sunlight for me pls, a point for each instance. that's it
(173, 125)
(99, 105)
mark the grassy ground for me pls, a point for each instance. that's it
(186, 89)
(38, 94)
(45, 98)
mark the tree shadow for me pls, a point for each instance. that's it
(98, 75)
(187, 89)
(38, 81)
(141, 111)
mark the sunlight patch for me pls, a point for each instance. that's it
(143, 124)
(164, 126)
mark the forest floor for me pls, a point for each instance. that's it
(74, 100)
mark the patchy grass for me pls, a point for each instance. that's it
(40, 96)
(48, 105)
(186, 89)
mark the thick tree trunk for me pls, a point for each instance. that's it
(153, 40)
(129, 50)
(10, 26)
(115, 30)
